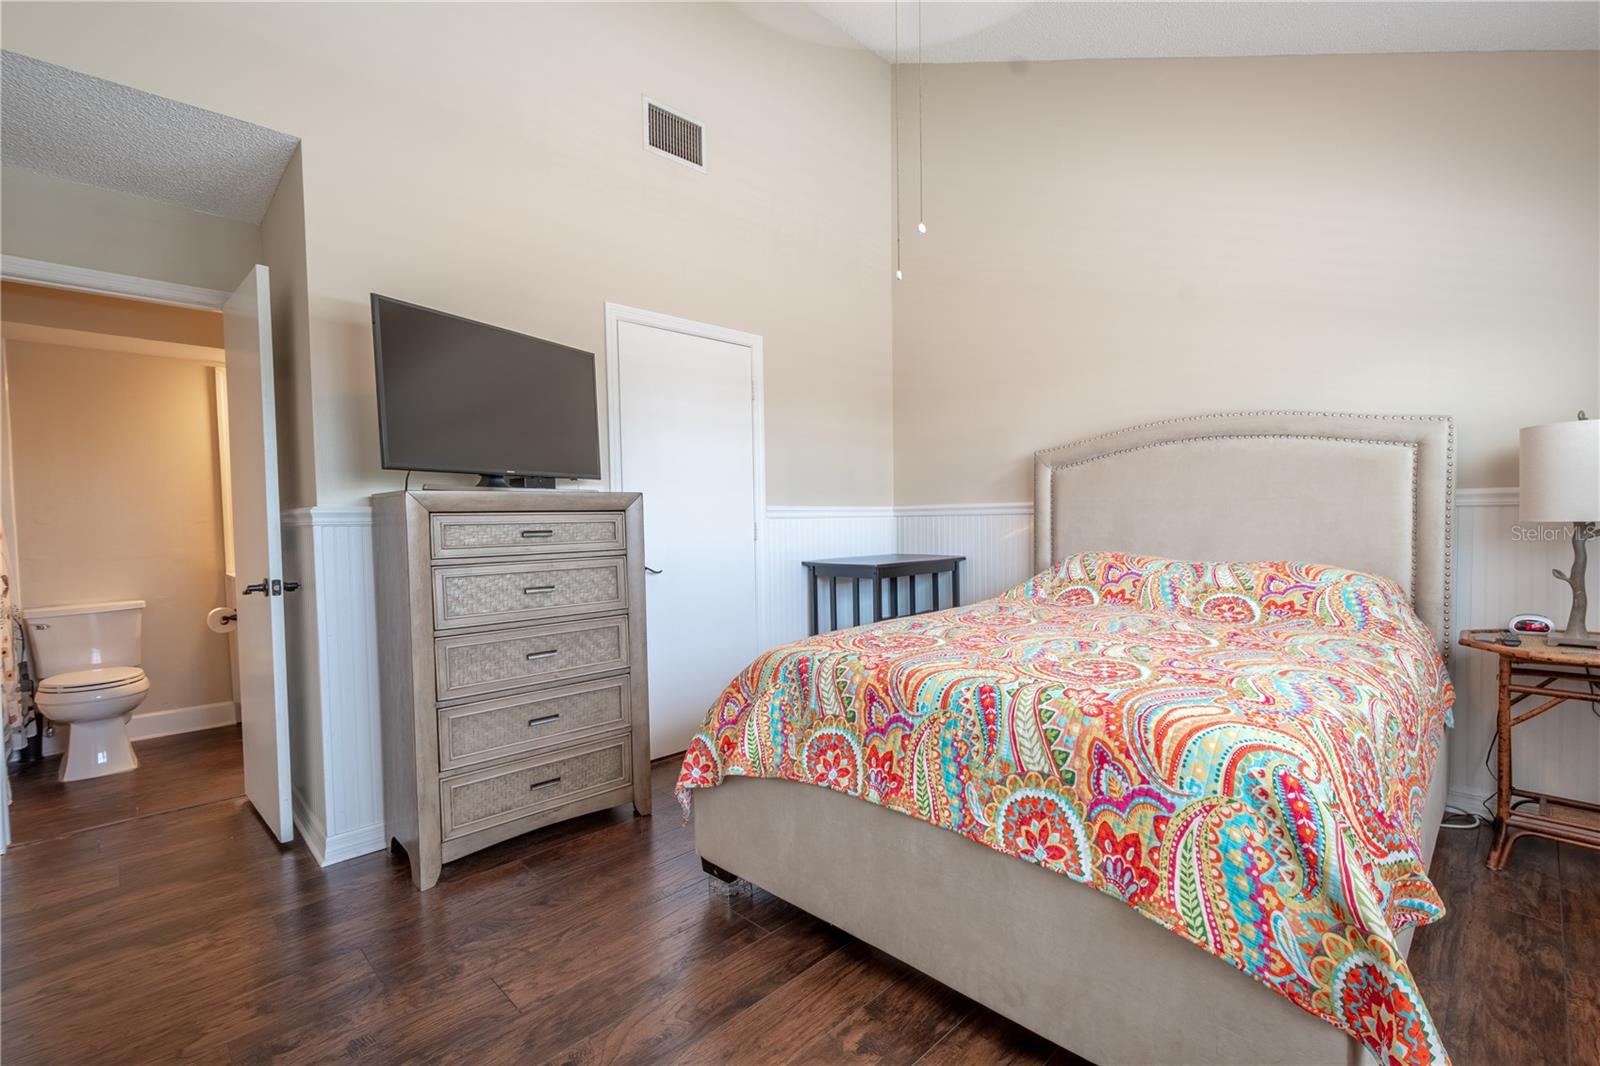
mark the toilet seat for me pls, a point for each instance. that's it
(101, 679)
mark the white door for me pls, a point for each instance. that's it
(258, 552)
(686, 408)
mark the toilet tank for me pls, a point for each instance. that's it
(83, 636)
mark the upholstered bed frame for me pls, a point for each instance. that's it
(1368, 492)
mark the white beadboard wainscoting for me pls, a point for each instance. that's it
(333, 682)
(1503, 569)
(996, 538)
(1499, 571)
(795, 534)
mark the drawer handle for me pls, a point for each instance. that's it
(534, 590)
(541, 784)
(530, 533)
(541, 721)
(532, 655)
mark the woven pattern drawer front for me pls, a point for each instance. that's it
(478, 732)
(468, 536)
(479, 663)
(518, 592)
(487, 798)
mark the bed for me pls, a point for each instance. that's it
(1090, 970)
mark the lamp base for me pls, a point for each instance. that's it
(1577, 633)
(1581, 639)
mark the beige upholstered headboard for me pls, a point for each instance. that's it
(1366, 492)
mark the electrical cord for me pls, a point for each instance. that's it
(1464, 819)
(1593, 684)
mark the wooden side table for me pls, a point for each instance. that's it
(1532, 669)
(879, 569)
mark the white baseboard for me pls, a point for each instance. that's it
(338, 847)
(1472, 802)
(150, 724)
(309, 826)
(348, 845)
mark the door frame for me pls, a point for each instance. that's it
(103, 283)
(616, 315)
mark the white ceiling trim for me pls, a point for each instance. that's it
(967, 32)
(82, 279)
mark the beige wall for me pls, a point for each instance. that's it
(283, 250)
(486, 159)
(117, 496)
(86, 226)
(36, 305)
(1112, 242)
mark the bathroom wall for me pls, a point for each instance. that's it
(107, 321)
(118, 498)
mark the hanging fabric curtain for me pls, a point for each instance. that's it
(10, 694)
(10, 690)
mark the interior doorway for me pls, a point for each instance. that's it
(168, 203)
(140, 475)
(686, 430)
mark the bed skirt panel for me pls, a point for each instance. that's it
(1060, 958)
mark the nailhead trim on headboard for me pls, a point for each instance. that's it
(1046, 457)
(1179, 420)
(1411, 445)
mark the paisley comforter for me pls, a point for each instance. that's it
(1240, 751)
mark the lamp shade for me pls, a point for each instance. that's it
(1559, 467)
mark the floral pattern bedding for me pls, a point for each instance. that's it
(1240, 751)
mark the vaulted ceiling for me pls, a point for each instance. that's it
(964, 32)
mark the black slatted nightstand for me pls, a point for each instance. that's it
(885, 572)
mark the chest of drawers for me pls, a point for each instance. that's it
(511, 646)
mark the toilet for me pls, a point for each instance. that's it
(87, 658)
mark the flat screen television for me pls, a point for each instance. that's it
(461, 396)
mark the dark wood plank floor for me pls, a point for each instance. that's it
(1512, 974)
(187, 932)
(174, 772)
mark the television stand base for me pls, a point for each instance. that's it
(511, 481)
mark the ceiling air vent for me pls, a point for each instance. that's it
(673, 135)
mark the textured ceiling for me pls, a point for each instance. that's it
(963, 32)
(70, 125)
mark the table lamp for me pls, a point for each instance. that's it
(1559, 466)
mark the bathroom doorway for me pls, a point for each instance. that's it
(119, 530)
(170, 204)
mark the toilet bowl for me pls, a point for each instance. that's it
(95, 705)
(87, 657)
